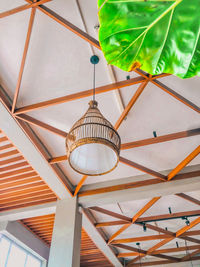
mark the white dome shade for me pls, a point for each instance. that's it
(93, 159)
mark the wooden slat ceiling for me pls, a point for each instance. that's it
(42, 226)
(20, 185)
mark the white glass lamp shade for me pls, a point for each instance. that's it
(93, 145)
(93, 159)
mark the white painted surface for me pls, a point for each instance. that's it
(66, 240)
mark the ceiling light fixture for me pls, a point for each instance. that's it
(93, 145)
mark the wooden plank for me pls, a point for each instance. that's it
(3, 139)
(21, 8)
(42, 125)
(152, 218)
(6, 147)
(139, 239)
(9, 153)
(189, 198)
(28, 36)
(176, 95)
(185, 162)
(143, 253)
(160, 139)
(79, 95)
(14, 166)
(8, 161)
(160, 251)
(187, 227)
(69, 26)
(17, 183)
(111, 213)
(78, 187)
(16, 172)
(58, 159)
(130, 104)
(142, 168)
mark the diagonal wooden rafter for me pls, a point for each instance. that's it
(22, 8)
(142, 168)
(135, 217)
(189, 198)
(167, 240)
(181, 165)
(26, 46)
(42, 125)
(176, 95)
(78, 187)
(130, 104)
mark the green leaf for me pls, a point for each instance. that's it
(157, 36)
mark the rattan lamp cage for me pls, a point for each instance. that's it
(93, 145)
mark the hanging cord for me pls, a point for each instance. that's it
(94, 84)
(187, 253)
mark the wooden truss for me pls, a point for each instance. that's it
(25, 121)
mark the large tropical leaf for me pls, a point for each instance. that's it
(157, 36)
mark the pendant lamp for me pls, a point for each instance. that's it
(93, 145)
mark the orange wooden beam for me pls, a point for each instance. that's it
(142, 168)
(28, 36)
(130, 104)
(79, 95)
(42, 125)
(135, 217)
(176, 95)
(78, 187)
(181, 165)
(22, 8)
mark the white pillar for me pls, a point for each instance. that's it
(66, 240)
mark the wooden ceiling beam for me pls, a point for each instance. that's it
(176, 95)
(160, 139)
(142, 168)
(189, 198)
(150, 219)
(135, 217)
(26, 46)
(133, 185)
(81, 182)
(69, 26)
(111, 213)
(160, 263)
(144, 142)
(58, 159)
(79, 95)
(16, 172)
(164, 242)
(131, 103)
(185, 162)
(160, 251)
(42, 125)
(143, 253)
(139, 239)
(22, 8)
